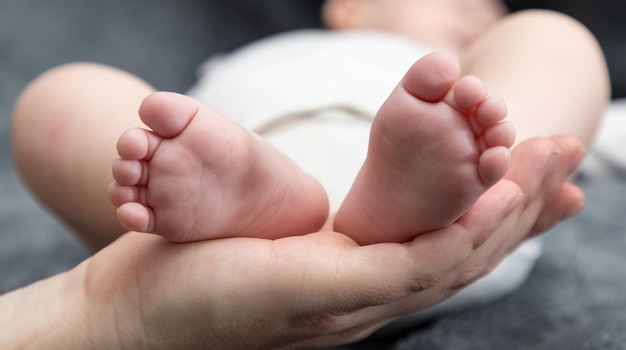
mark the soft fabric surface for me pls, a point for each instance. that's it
(574, 298)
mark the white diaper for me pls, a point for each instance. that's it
(313, 95)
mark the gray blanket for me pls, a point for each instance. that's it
(574, 299)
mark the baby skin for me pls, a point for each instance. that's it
(436, 145)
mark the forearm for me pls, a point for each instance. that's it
(45, 315)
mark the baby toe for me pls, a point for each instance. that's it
(132, 144)
(493, 165)
(431, 77)
(136, 217)
(490, 111)
(467, 93)
(501, 134)
(129, 172)
(167, 113)
(119, 194)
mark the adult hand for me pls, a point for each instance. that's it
(316, 290)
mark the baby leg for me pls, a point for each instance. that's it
(64, 128)
(548, 68)
(436, 145)
(198, 175)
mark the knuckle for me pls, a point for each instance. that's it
(318, 323)
(423, 282)
(468, 276)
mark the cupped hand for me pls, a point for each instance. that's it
(321, 289)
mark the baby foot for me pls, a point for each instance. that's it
(436, 145)
(200, 176)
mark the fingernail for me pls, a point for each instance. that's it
(515, 203)
(576, 160)
(574, 209)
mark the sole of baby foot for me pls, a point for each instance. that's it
(197, 175)
(436, 145)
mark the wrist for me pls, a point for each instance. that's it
(46, 314)
(112, 315)
(72, 310)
